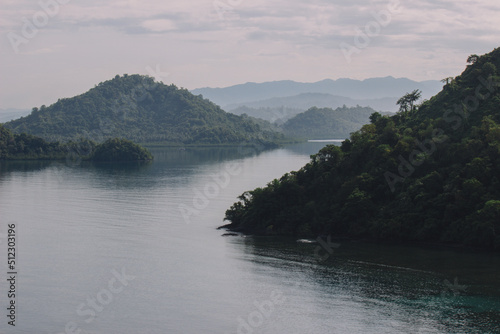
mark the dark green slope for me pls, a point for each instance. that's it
(14, 146)
(28, 147)
(431, 174)
(137, 108)
(326, 123)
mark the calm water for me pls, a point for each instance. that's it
(134, 249)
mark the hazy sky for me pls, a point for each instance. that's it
(60, 48)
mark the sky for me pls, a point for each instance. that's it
(53, 49)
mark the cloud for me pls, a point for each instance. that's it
(223, 42)
(160, 25)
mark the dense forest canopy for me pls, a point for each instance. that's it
(137, 108)
(115, 149)
(430, 173)
(29, 147)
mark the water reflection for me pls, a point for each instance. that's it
(407, 286)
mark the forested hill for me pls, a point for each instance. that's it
(431, 173)
(137, 108)
(326, 123)
(28, 147)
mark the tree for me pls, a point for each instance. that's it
(472, 59)
(407, 102)
(447, 80)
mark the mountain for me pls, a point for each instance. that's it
(276, 115)
(428, 174)
(374, 88)
(326, 123)
(137, 108)
(283, 108)
(7, 115)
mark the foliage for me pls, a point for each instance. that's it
(326, 123)
(429, 176)
(137, 108)
(115, 149)
(407, 102)
(24, 146)
(28, 147)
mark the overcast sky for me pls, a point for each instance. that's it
(69, 46)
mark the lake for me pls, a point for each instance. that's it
(133, 248)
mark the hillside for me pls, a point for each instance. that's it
(428, 174)
(28, 147)
(373, 88)
(277, 115)
(289, 106)
(23, 146)
(120, 150)
(135, 107)
(326, 123)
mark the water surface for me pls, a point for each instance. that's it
(81, 225)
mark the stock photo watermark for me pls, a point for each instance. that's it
(453, 289)
(93, 305)
(325, 248)
(31, 25)
(225, 9)
(211, 190)
(12, 272)
(456, 116)
(263, 311)
(364, 37)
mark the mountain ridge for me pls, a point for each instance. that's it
(137, 108)
(356, 89)
(429, 174)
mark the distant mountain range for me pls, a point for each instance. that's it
(378, 93)
(428, 175)
(137, 108)
(7, 115)
(279, 109)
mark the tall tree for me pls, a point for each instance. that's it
(407, 102)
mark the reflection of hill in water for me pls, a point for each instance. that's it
(168, 164)
(23, 166)
(201, 155)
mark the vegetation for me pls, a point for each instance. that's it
(275, 115)
(407, 102)
(432, 175)
(28, 147)
(137, 108)
(120, 150)
(326, 123)
(24, 146)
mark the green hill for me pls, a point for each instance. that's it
(115, 149)
(137, 108)
(427, 174)
(326, 123)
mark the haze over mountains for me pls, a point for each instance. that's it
(378, 93)
(428, 174)
(137, 108)
(178, 116)
(7, 115)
